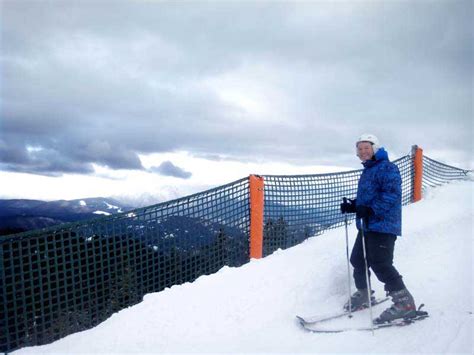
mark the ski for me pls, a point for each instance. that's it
(318, 319)
(420, 315)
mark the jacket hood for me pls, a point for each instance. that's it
(381, 154)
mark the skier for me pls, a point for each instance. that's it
(378, 205)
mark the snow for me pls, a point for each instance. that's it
(102, 212)
(109, 206)
(82, 203)
(252, 309)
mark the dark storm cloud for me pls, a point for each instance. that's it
(40, 161)
(167, 168)
(101, 82)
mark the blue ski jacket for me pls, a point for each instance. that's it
(380, 187)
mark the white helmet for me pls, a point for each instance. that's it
(367, 137)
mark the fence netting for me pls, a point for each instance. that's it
(68, 278)
(436, 173)
(298, 207)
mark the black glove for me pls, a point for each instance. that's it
(364, 211)
(348, 206)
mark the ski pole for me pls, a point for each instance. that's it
(369, 289)
(348, 265)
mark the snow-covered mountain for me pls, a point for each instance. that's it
(251, 309)
(22, 215)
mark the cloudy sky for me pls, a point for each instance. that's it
(158, 98)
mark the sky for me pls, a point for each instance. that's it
(152, 100)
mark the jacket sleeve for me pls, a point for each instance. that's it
(389, 186)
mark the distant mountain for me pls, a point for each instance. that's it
(23, 215)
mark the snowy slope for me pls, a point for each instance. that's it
(252, 308)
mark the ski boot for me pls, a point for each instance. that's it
(359, 300)
(403, 307)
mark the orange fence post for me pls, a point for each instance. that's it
(256, 216)
(418, 172)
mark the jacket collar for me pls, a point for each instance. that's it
(379, 156)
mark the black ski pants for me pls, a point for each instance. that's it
(379, 250)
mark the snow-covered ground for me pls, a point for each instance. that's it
(252, 309)
(102, 213)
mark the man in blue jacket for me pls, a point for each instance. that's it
(378, 209)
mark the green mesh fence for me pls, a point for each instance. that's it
(71, 277)
(436, 173)
(298, 207)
